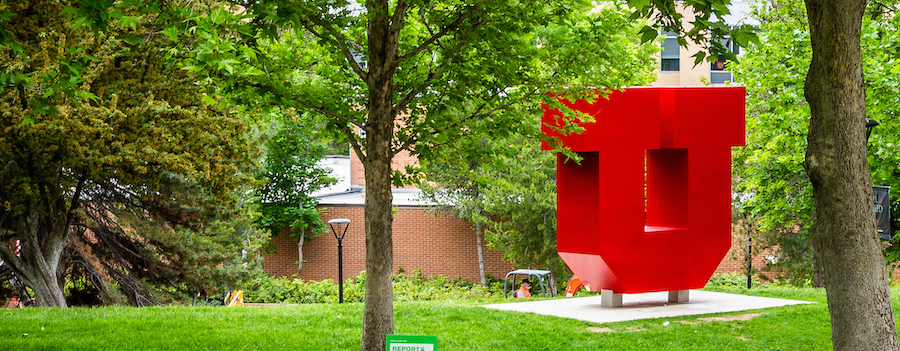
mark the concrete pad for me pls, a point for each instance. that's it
(643, 306)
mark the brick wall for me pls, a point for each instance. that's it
(436, 244)
(399, 162)
(735, 259)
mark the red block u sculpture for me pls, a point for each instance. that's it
(649, 206)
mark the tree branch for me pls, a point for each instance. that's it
(440, 34)
(22, 96)
(397, 21)
(318, 108)
(354, 142)
(338, 40)
(70, 216)
(474, 115)
(9, 257)
(411, 94)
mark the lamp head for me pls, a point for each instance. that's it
(339, 227)
(870, 124)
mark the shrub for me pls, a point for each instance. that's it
(730, 280)
(735, 280)
(407, 287)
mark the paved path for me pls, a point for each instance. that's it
(642, 306)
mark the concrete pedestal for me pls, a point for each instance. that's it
(679, 296)
(608, 298)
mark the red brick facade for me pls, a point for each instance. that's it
(435, 243)
(398, 163)
(735, 260)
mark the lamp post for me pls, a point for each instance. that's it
(746, 212)
(870, 124)
(336, 225)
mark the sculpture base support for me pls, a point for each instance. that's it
(608, 298)
(679, 296)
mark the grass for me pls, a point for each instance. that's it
(459, 325)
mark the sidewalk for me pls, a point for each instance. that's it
(643, 306)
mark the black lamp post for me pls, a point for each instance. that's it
(746, 211)
(338, 222)
(870, 124)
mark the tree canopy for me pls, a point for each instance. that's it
(111, 158)
(770, 167)
(507, 184)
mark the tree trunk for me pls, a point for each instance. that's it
(40, 256)
(855, 274)
(300, 254)
(818, 275)
(479, 244)
(552, 281)
(378, 312)
(45, 285)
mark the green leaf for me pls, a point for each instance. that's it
(171, 32)
(209, 100)
(639, 4)
(699, 56)
(648, 33)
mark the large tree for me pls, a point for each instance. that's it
(415, 76)
(108, 147)
(859, 299)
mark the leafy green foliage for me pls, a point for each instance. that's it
(769, 170)
(728, 280)
(770, 167)
(407, 287)
(290, 174)
(216, 254)
(102, 136)
(700, 25)
(880, 41)
(472, 80)
(502, 180)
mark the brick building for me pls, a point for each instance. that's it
(425, 237)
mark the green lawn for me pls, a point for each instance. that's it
(459, 325)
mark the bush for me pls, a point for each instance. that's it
(730, 280)
(735, 280)
(407, 287)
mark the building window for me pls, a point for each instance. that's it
(670, 53)
(718, 73)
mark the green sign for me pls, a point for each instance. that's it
(411, 343)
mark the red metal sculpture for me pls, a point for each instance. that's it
(649, 207)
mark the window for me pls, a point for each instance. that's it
(717, 70)
(670, 53)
